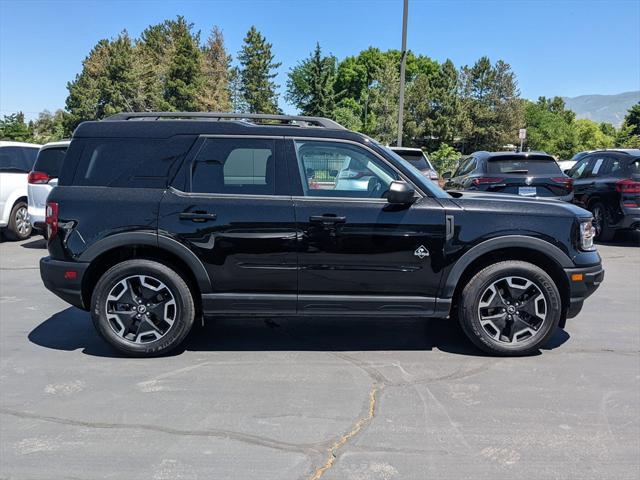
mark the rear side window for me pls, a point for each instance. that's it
(529, 166)
(50, 161)
(17, 159)
(243, 166)
(129, 162)
(417, 159)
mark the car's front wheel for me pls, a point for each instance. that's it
(510, 308)
(142, 308)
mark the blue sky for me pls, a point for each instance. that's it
(566, 48)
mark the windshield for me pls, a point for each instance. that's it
(417, 159)
(539, 165)
(425, 183)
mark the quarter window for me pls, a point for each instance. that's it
(243, 166)
(334, 169)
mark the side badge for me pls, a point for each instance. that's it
(421, 252)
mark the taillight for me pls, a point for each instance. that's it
(566, 182)
(628, 185)
(486, 180)
(51, 220)
(38, 177)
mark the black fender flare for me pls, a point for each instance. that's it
(509, 241)
(152, 239)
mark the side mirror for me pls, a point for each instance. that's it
(400, 193)
(446, 175)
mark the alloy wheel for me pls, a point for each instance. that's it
(512, 310)
(23, 226)
(598, 219)
(141, 309)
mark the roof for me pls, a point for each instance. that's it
(406, 149)
(524, 155)
(168, 124)
(630, 151)
(4, 143)
(58, 144)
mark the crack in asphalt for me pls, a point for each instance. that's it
(226, 434)
(357, 427)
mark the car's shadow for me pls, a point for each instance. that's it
(38, 243)
(624, 238)
(71, 329)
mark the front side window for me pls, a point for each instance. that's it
(243, 166)
(335, 169)
(581, 169)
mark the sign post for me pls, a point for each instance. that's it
(522, 135)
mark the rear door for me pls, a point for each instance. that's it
(358, 254)
(582, 183)
(230, 204)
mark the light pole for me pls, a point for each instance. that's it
(403, 64)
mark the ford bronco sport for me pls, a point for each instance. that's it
(160, 219)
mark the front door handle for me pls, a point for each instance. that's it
(327, 219)
(198, 216)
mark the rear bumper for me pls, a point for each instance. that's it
(57, 277)
(582, 283)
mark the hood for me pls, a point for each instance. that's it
(516, 204)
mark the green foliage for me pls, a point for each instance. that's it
(384, 104)
(257, 74)
(48, 127)
(629, 134)
(311, 84)
(445, 158)
(553, 129)
(214, 95)
(492, 109)
(13, 127)
(184, 76)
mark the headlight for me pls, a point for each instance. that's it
(587, 233)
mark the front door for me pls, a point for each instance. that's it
(359, 254)
(230, 208)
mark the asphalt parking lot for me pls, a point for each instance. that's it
(288, 398)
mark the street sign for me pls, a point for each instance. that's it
(522, 133)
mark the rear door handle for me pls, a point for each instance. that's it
(327, 219)
(198, 216)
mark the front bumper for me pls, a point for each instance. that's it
(59, 277)
(582, 283)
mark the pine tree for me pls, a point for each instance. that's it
(310, 85)
(214, 95)
(13, 127)
(184, 76)
(384, 104)
(257, 74)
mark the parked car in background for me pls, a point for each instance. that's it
(419, 159)
(607, 183)
(529, 174)
(216, 214)
(42, 178)
(16, 160)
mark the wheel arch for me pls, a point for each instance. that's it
(529, 249)
(103, 255)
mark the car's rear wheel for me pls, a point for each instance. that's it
(19, 227)
(142, 308)
(602, 222)
(510, 308)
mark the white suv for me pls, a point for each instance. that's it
(42, 179)
(16, 160)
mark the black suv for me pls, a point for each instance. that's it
(607, 183)
(530, 174)
(163, 218)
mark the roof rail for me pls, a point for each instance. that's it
(288, 120)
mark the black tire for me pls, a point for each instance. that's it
(480, 288)
(182, 311)
(19, 227)
(602, 217)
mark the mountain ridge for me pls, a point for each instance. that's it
(603, 108)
